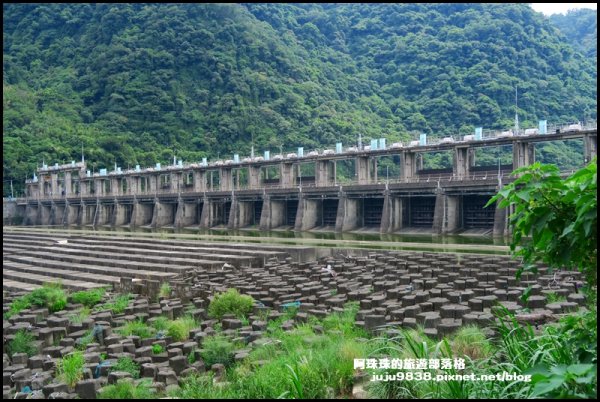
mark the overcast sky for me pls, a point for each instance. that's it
(560, 8)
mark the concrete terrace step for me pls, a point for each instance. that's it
(61, 273)
(209, 246)
(130, 248)
(190, 250)
(142, 256)
(41, 279)
(267, 251)
(100, 270)
(15, 286)
(108, 261)
(234, 256)
(83, 270)
(26, 238)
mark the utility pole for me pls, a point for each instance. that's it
(516, 111)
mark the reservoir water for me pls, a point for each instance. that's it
(364, 239)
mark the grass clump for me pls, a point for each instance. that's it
(128, 365)
(553, 297)
(84, 341)
(230, 302)
(17, 306)
(180, 328)
(294, 364)
(161, 323)
(471, 341)
(80, 316)
(192, 356)
(23, 342)
(165, 290)
(89, 298)
(126, 389)
(117, 305)
(157, 349)
(70, 368)
(136, 328)
(217, 349)
(50, 295)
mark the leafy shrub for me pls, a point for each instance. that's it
(157, 349)
(51, 295)
(126, 389)
(136, 328)
(128, 365)
(180, 329)
(192, 356)
(70, 368)
(89, 298)
(17, 306)
(23, 342)
(217, 349)
(230, 302)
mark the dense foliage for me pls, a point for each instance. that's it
(230, 302)
(50, 295)
(136, 83)
(555, 220)
(580, 28)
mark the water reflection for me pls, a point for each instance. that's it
(370, 236)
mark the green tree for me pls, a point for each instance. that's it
(554, 219)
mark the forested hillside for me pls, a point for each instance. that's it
(580, 28)
(135, 83)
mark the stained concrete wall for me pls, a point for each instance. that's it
(391, 219)
(590, 147)
(187, 214)
(307, 216)
(241, 214)
(523, 154)
(13, 214)
(86, 214)
(31, 215)
(349, 214)
(500, 221)
(104, 214)
(57, 214)
(446, 217)
(288, 175)
(72, 212)
(142, 214)
(273, 214)
(122, 214)
(163, 214)
(324, 173)
(211, 214)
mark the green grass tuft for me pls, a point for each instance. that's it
(70, 368)
(136, 328)
(89, 298)
(230, 302)
(23, 342)
(126, 389)
(128, 365)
